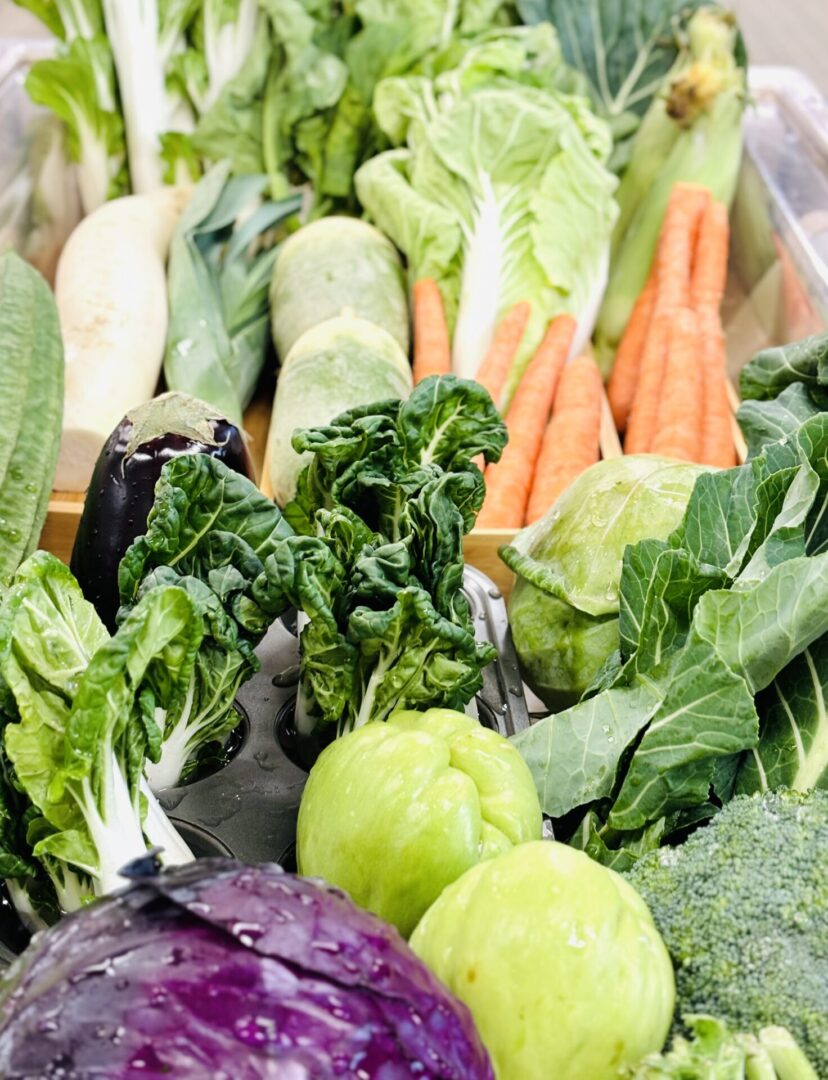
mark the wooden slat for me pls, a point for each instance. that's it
(610, 443)
(738, 437)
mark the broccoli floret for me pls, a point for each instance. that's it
(743, 909)
(711, 1050)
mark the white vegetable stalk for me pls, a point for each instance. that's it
(141, 58)
(161, 832)
(175, 748)
(115, 831)
(226, 46)
(481, 283)
(23, 906)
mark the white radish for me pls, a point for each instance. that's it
(111, 292)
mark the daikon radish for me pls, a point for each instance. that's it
(111, 293)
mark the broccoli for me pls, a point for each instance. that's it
(743, 909)
(713, 1051)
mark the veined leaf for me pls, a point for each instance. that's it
(793, 742)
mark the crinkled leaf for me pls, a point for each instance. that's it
(770, 371)
(764, 422)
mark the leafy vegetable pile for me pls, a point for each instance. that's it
(718, 685)
(377, 565)
(209, 533)
(80, 713)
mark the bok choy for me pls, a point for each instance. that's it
(80, 717)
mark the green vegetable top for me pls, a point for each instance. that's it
(743, 908)
(727, 608)
(714, 1052)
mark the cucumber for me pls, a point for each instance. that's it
(31, 407)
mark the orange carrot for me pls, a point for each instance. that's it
(494, 370)
(571, 441)
(717, 446)
(624, 374)
(674, 257)
(432, 349)
(679, 430)
(709, 277)
(509, 482)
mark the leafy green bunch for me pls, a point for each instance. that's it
(377, 562)
(80, 714)
(720, 683)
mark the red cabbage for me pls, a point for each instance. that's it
(230, 971)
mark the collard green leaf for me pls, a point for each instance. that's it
(624, 50)
(764, 422)
(793, 739)
(575, 755)
(709, 619)
(770, 371)
(706, 713)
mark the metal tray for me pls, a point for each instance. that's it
(248, 808)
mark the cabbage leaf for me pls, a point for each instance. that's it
(501, 196)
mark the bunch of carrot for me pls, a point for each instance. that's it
(543, 455)
(668, 389)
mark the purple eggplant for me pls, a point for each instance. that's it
(122, 489)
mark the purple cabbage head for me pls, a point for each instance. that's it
(230, 971)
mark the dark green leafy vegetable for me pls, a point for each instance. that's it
(378, 566)
(709, 619)
(625, 50)
(781, 387)
(210, 532)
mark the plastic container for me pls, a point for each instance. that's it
(39, 204)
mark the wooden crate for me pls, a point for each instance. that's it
(480, 548)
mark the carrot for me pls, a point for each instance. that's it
(674, 257)
(432, 349)
(571, 441)
(717, 446)
(679, 430)
(498, 360)
(624, 374)
(509, 482)
(707, 284)
(707, 290)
